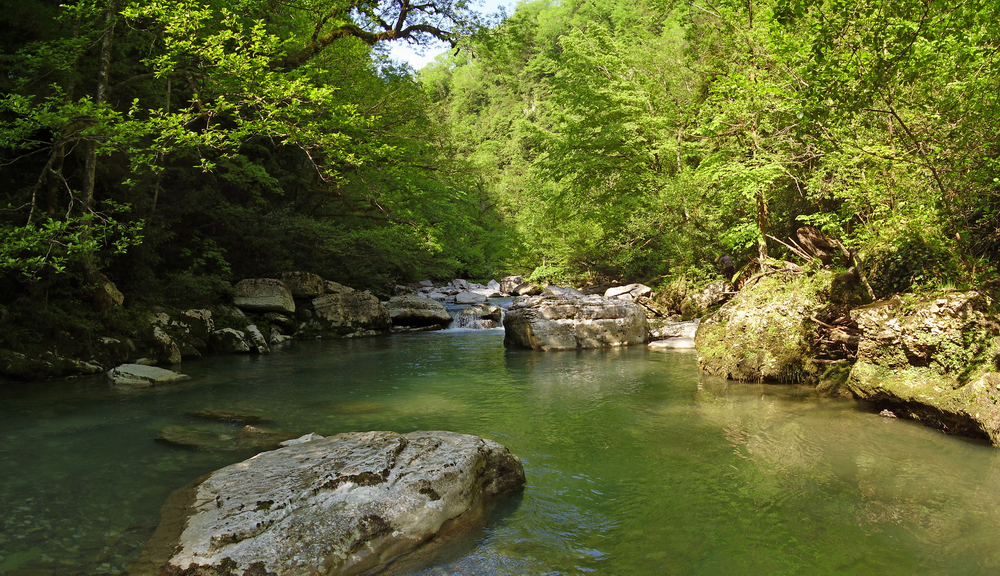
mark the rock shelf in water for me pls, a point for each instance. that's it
(338, 505)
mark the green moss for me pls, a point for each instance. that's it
(766, 332)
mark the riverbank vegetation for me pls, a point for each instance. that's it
(175, 147)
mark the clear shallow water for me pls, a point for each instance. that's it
(636, 464)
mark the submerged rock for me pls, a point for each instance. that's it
(231, 416)
(572, 322)
(936, 360)
(139, 376)
(344, 504)
(221, 437)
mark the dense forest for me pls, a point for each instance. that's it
(177, 146)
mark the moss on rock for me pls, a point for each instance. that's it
(767, 332)
(933, 359)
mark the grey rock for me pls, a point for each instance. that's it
(304, 284)
(139, 376)
(301, 439)
(344, 504)
(280, 320)
(264, 295)
(680, 343)
(168, 351)
(344, 311)
(228, 341)
(662, 329)
(553, 290)
(200, 322)
(509, 283)
(569, 323)
(256, 339)
(932, 359)
(630, 292)
(417, 311)
(527, 289)
(468, 297)
(482, 317)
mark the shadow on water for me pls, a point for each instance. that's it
(636, 464)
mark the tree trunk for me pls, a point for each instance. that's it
(92, 275)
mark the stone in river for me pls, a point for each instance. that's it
(345, 504)
(571, 322)
(139, 376)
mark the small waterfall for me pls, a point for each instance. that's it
(481, 317)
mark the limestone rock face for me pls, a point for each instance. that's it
(139, 376)
(936, 360)
(417, 311)
(345, 311)
(766, 333)
(572, 322)
(264, 295)
(339, 505)
(304, 284)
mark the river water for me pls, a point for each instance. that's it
(636, 464)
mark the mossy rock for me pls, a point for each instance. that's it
(767, 332)
(933, 358)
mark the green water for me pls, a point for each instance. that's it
(635, 463)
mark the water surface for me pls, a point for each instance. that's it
(636, 464)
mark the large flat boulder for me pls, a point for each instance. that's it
(345, 504)
(417, 311)
(933, 359)
(573, 322)
(264, 295)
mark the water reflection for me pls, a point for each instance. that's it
(636, 464)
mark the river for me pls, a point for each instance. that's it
(636, 463)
